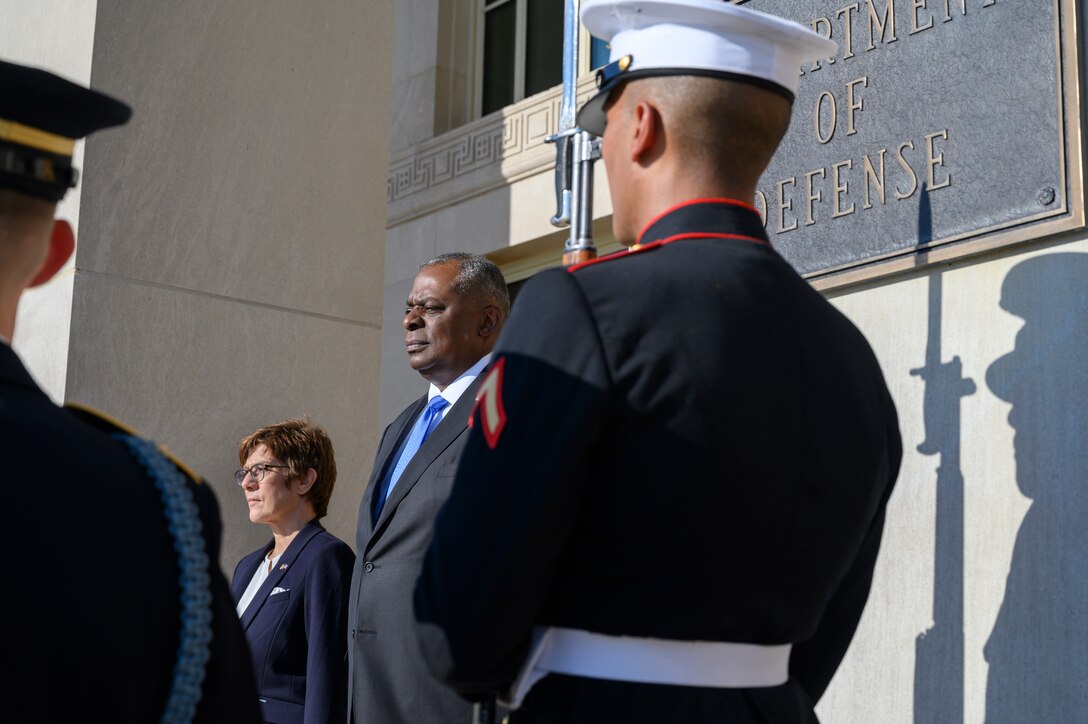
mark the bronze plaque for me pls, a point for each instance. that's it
(973, 103)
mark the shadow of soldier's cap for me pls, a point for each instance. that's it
(41, 117)
(1050, 293)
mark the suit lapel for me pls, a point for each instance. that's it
(386, 459)
(276, 575)
(452, 425)
(245, 572)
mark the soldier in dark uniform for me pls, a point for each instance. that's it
(115, 609)
(671, 503)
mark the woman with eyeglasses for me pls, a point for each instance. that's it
(292, 593)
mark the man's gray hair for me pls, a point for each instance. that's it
(477, 277)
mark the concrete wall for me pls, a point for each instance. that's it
(231, 237)
(979, 599)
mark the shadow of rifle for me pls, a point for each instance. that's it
(939, 650)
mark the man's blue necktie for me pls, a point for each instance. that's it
(426, 423)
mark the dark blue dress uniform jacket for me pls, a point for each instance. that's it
(296, 627)
(691, 444)
(92, 606)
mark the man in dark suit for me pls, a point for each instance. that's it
(683, 453)
(453, 315)
(118, 610)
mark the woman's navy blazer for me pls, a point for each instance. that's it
(296, 627)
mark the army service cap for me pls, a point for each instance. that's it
(651, 38)
(41, 117)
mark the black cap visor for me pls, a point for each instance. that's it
(591, 116)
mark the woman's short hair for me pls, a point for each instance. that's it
(301, 445)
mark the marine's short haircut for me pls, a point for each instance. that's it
(730, 126)
(477, 277)
(300, 445)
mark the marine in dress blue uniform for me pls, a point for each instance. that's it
(116, 609)
(683, 448)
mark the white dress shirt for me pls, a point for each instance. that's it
(259, 577)
(455, 389)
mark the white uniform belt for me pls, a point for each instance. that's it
(651, 661)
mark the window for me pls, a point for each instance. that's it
(521, 52)
(598, 53)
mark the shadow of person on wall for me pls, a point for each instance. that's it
(1038, 649)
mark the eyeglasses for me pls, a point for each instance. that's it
(258, 472)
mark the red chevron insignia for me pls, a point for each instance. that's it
(489, 403)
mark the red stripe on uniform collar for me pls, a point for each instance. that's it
(700, 235)
(661, 242)
(693, 202)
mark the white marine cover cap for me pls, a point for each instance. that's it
(695, 37)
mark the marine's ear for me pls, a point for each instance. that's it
(62, 243)
(645, 131)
